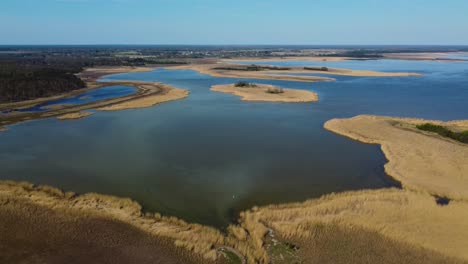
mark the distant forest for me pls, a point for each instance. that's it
(20, 82)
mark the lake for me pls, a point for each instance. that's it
(211, 155)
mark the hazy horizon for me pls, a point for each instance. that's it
(210, 22)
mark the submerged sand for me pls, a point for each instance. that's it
(259, 92)
(421, 161)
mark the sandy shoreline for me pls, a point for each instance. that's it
(260, 93)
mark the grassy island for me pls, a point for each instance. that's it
(267, 93)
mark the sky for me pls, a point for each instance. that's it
(292, 22)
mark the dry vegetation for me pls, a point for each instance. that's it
(422, 161)
(385, 226)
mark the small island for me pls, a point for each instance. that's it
(266, 93)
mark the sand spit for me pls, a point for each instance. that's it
(77, 115)
(260, 92)
(163, 93)
(421, 161)
(210, 69)
(286, 74)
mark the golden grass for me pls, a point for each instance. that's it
(77, 115)
(260, 93)
(400, 216)
(195, 238)
(421, 161)
(332, 243)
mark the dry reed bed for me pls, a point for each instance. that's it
(421, 161)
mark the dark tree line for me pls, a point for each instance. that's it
(19, 83)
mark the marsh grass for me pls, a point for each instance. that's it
(332, 243)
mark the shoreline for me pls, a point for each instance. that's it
(259, 93)
(412, 221)
(148, 94)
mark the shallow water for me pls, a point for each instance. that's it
(209, 156)
(86, 97)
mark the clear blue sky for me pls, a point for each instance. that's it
(234, 22)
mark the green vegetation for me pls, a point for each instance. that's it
(244, 84)
(29, 82)
(316, 68)
(443, 131)
(253, 67)
(231, 258)
(281, 252)
(275, 90)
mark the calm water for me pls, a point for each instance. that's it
(86, 97)
(208, 156)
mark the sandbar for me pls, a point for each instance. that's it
(271, 72)
(155, 95)
(213, 70)
(76, 115)
(259, 92)
(421, 161)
